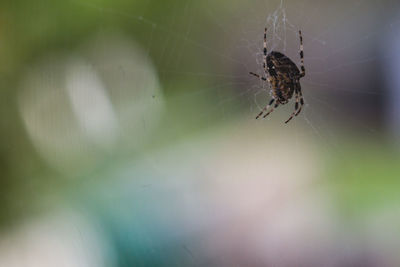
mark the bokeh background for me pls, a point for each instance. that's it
(128, 134)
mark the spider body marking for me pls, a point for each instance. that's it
(283, 76)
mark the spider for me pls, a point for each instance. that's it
(283, 77)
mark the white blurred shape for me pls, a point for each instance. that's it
(91, 104)
(63, 240)
(80, 107)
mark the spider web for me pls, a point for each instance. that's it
(346, 60)
(337, 68)
(340, 54)
(341, 43)
(203, 52)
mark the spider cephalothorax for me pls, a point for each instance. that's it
(284, 78)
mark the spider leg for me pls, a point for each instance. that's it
(269, 112)
(265, 51)
(258, 76)
(303, 70)
(297, 108)
(301, 102)
(266, 108)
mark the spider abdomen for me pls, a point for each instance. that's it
(282, 89)
(278, 63)
(283, 75)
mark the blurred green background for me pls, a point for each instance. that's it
(129, 135)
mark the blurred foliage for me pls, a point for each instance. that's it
(31, 29)
(196, 48)
(364, 176)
